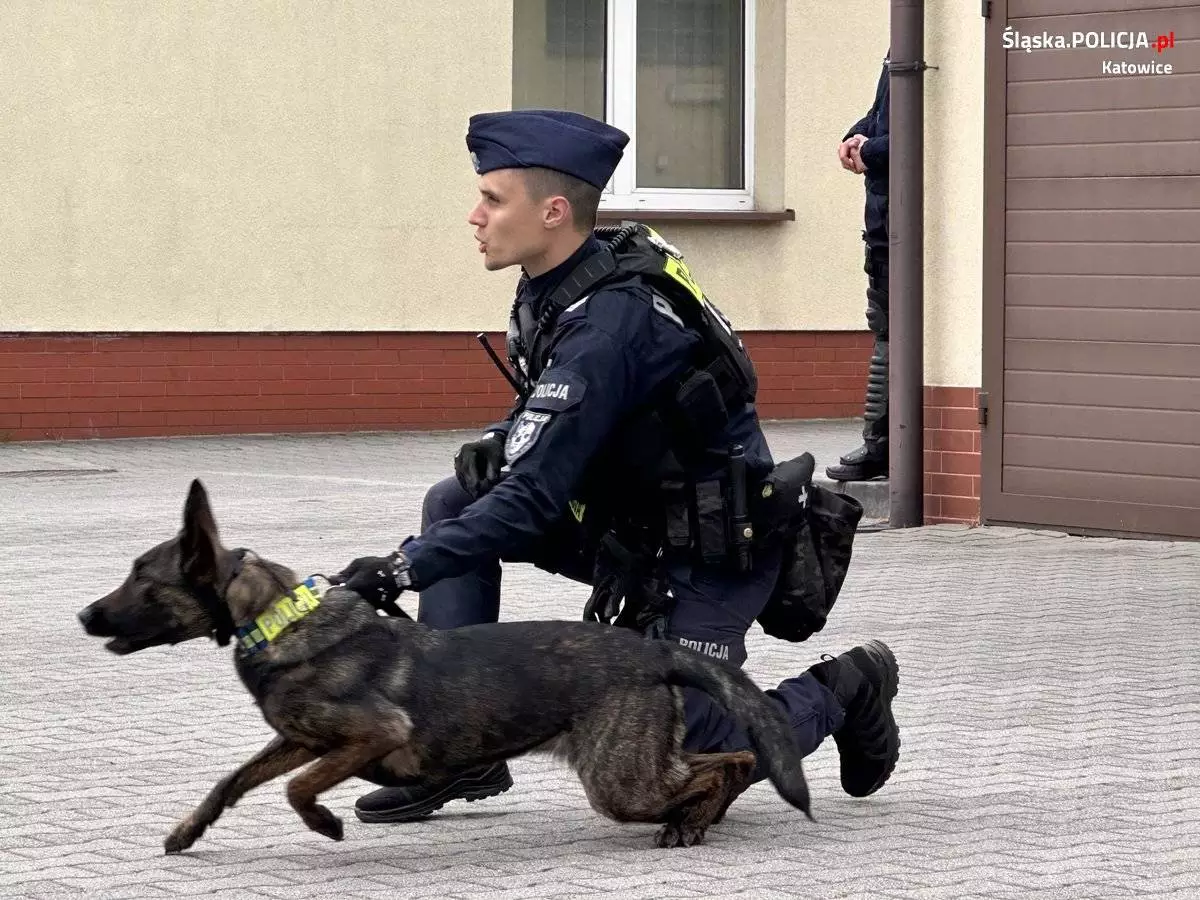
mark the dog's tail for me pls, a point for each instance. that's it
(771, 735)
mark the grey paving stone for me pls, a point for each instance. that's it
(1048, 701)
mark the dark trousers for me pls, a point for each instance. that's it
(712, 613)
(875, 427)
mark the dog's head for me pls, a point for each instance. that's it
(172, 591)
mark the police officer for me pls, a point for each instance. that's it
(864, 151)
(568, 455)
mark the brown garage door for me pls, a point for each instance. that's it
(1092, 271)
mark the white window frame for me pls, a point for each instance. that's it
(621, 192)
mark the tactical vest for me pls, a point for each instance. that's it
(720, 378)
(677, 432)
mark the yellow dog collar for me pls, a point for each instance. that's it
(298, 603)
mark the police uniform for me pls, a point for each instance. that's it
(609, 353)
(569, 446)
(870, 459)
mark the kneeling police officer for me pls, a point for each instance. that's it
(633, 460)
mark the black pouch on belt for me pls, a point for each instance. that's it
(712, 541)
(816, 557)
(677, 512)
(782, 496)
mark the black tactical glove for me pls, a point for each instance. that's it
(379, 580)
(608, 594)
(626, 590)
(477, 464)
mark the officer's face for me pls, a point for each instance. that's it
(508, 222)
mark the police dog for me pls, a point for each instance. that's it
(388, 699)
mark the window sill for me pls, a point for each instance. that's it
(698, 215)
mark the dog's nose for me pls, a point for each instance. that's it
(93, 620)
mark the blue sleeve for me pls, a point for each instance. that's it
(868, 125)
(858, 127)
(601, 366)
(874, 153)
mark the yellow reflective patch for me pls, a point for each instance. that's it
(577, 510)
(306, 600)
(286, 608)
(268, 624)
(678, 271)
(285, 611)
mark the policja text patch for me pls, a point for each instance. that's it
(556, 391)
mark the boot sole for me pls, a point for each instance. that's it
(469, 789)
(891, 687)
(846, 473)
(891, 667)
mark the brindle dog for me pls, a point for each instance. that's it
(357, 693)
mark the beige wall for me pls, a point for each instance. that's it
(953, 195)
(228, 166)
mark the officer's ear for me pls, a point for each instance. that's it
(556, 212)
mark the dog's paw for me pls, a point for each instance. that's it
(668, 836)
(322, 821)
(674, 835)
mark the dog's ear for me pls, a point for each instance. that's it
(199, 541)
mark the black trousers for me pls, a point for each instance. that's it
(875, 428)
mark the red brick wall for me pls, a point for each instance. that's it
(952, 453)
(132, 385)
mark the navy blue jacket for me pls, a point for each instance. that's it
(874, 125)
(608, 354)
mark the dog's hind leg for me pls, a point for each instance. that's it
(738, 777)
(717, 779)
(278, 757)
(332, 769)
(626, 753)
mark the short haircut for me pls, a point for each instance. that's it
(583, 197)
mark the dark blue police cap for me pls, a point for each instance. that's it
(549, 138)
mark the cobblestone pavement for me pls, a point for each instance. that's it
(1049, 706)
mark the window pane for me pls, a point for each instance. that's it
(690, 126)
(558, 55)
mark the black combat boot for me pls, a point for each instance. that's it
(864, 682)
(407, 804)
(867, 462)
(871, 459)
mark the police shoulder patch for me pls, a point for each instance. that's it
(556, 391)
(524, 434)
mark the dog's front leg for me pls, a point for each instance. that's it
(278, 757)
(331, 769)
